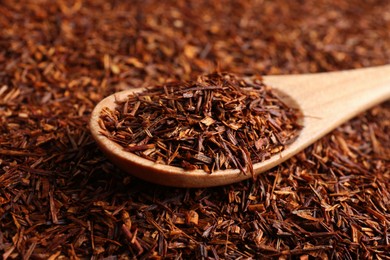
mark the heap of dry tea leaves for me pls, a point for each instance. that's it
(214, 123)
(60, 198)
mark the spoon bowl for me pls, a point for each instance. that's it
(326, 100)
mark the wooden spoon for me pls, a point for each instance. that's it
(326, 99)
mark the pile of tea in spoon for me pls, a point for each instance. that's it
(217, 122)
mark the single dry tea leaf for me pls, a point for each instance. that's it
(219, 121)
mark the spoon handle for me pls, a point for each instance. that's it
(329, 99)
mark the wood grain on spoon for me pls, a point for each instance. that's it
(326, 99)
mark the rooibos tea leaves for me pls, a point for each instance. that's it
(217, 122)
(60, 198)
